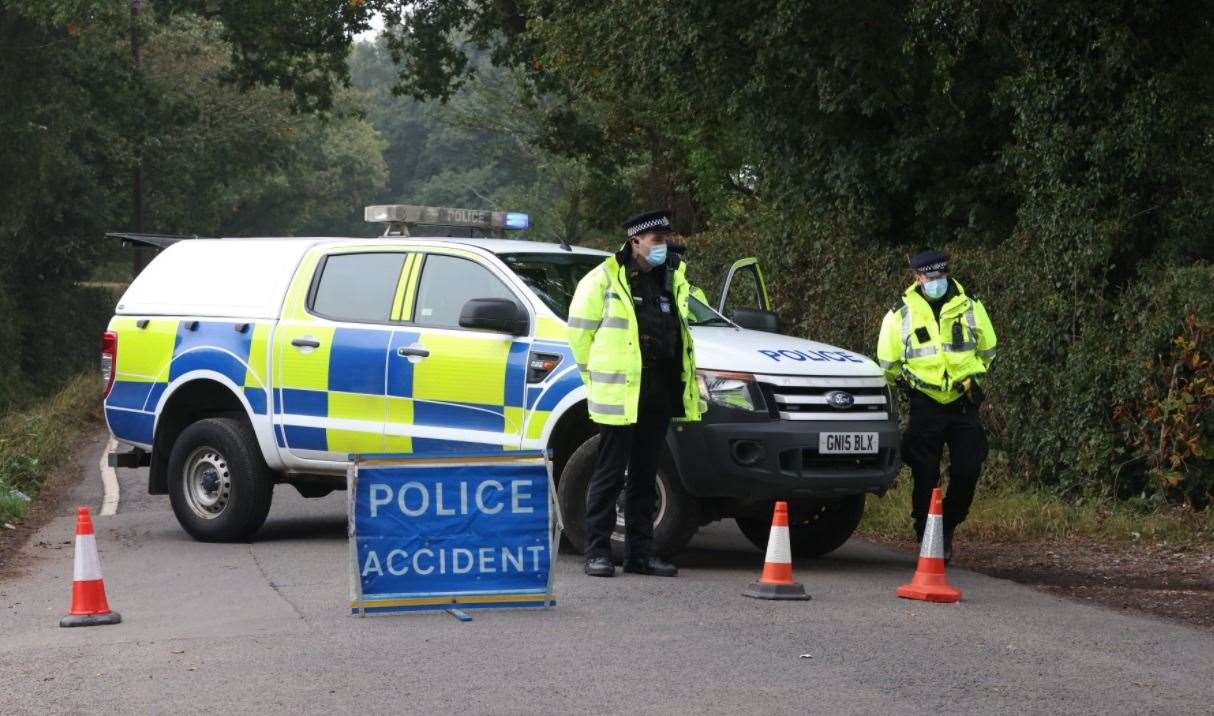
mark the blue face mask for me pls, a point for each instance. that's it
(657, 255)
(936, 288)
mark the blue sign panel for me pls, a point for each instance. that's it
(451, 531)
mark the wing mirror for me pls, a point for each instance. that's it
(756, 319)
(494, 314)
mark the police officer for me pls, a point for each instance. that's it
(939, 343)
(628, 331)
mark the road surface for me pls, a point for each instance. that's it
(264, 627)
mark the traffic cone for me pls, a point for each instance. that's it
(89, 607)
(929, 583)
(776, 582)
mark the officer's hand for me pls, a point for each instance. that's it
(972, 390)
(976, 395)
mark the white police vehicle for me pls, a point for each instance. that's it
(233, 365)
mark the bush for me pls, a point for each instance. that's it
(1163, 403)
(34, 441)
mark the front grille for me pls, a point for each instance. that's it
(808, 398)
(807, 459)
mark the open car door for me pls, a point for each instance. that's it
(744, 299)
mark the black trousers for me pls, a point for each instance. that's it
(628, 460)
(931, 427)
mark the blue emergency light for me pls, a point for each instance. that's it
(517, 220)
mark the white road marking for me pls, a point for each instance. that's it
(109, 478)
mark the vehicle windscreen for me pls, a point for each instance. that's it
(554, 278)
(702, 315)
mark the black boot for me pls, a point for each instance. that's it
(651, 566)
(600, 567)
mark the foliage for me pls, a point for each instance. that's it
(1005, 512)
(227, 162)
(32, 441)
(904, 122)
(1166, 426)
(481, 149)
(216, 161)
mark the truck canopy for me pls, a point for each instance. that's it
(245, 278)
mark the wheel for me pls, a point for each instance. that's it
(814, 528)
(675, 522)
(219, 485)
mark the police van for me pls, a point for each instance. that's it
(234, 365)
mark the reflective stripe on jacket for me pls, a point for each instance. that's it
(605, 340)
(960, 345)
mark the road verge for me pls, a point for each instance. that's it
(1156, 560)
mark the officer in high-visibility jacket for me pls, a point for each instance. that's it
(628, 332)
(939, 343)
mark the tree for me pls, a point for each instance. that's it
(76, 116)
(481, 148)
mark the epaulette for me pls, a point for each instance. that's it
(897, 307)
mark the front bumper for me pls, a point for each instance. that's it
(778, 459)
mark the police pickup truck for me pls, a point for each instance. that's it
(234, 365)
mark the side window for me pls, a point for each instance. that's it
(358, 287)
(447, 284)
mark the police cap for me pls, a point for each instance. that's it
(933, 263)
(657, 222)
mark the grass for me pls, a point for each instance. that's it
(35, 441)
(1003, 513)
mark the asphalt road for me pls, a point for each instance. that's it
(264, 627)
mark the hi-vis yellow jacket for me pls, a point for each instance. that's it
(605, 341)
(935, 356)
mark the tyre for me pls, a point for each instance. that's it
(676, 520)
(814, 528)
(219, 485)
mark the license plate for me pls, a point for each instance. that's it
(846, 443)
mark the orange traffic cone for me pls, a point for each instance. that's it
(89, 607)
(776, 582)
(929, 583)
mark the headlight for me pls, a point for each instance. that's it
(738, 391)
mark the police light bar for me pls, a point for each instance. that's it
(400, 217)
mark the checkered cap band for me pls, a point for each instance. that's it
(659, 223)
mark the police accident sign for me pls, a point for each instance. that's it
(438, 532)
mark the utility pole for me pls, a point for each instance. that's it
(137, 179)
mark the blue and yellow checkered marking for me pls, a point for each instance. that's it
(356, 361)
(353, 376)
(151, 357)
(400, 372)
(217, 347)
(342, 380)
(516, 374)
